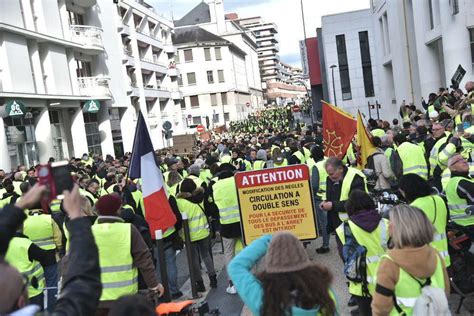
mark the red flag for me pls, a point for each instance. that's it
(158, 212)
(339, 128)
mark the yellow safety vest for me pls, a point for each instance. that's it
(457, 206)
(378, 132)
(258, 164)
(346, 188)
(298, 154)
(435, 210)
(226, 159)
(118, 275)
(323, 175)
(197, 181)
(375, 242)
(413, 159)
(198, 225)
(17, 256)
(88, 195)
(39, 229)
(284, 163)
(225, 197)
(55, 206)
(433, 159)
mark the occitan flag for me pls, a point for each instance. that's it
(365, 148)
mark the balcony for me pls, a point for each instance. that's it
(149, 39)
(123, 28)
(152, 92)
(173, 71)
(94, 86)
(170, 49)
(153, 64)
(176, 94)
(89, 36)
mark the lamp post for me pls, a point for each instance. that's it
(333, 85)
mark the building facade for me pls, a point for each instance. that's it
(218, 61)
(422, 43)
(63, 77)
(348, 43)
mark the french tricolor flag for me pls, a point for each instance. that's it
(158, 212)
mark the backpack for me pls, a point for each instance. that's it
(372, 176)
(431, 302)
(354, 256)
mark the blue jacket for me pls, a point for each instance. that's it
(248, 286)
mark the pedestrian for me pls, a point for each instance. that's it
(370, 231)
(409, 261)
(290, 283)
(190, 202)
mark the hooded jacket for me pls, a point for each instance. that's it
(419, 262)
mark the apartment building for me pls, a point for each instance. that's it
(64, 70)
(218, 61)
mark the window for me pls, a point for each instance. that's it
(180, 80)
(188, 55)
(226, 117)
(194, 101)
(196, 120)
(91, 125)
(224, 98)
(210, 76)
(207, 54)
(430, 8)
(191, 78)
(366, 63)
(454, 6)
(217, 50)
(471, 38)
(343, 67)
(176, 57)
(213, 99)
(220, 75)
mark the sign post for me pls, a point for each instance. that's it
(276, 199)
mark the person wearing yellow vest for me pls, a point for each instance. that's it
(318, 184)
(224, 194)
(193, 174)
(261, 160)
(173, 165)
(10, 196)
(460, 194)
(370, 231)
(289, 284)
(87, 160)
(190, 201)
(43, 231)
(122, 254)
(296, 155)
(408, 158)
(341, 181)
(225, 156)
(409, 260)
(17, 181)
(237, 161)
(90, 192)
(278, 159)
(418, 193)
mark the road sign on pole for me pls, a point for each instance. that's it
(200, 129)
(276, 199)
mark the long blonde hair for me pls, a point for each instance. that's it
(411, 227)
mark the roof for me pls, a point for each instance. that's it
(200, 37)
(199, 14)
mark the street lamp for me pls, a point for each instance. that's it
(333, 85)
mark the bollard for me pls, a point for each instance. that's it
(187, 242)
(162, 262)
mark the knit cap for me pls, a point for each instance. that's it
(285, 254)
(262, 154)
(108, 205)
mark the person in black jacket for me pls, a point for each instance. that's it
(81, 285)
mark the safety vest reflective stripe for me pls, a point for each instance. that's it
(343, 216)
(406, 301)
(457, 205)
(121, 268)
(49, 242)
(444, 253)
(438, 237)
(35, 268)
(414, 168)
(119, 284)
(413, 159)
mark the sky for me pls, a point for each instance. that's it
(286, 14)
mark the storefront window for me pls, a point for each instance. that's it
(55, 117)
(21, 141)
(92, 133)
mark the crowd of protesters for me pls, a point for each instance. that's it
(89, 252)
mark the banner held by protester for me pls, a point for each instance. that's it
(276, 199)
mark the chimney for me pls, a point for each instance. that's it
(216, 9)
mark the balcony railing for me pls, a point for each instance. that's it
(153, 61)
(87, 35)
(94, 86)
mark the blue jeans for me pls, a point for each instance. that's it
(322, 223)
(51, 277)
(171, 269)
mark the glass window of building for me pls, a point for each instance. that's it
(55, 118)
(91, 125)
(196, 120)
(343, 67)
(224, 98)
(366, 63)
(188, 55)
(213, 99)
(176, 57)
(226, 117)
(194, 101)
(220, 75)
(210, 76)
(191, 78)
(207, 54)
(217, 51)
(21, 140)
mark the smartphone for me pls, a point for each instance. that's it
(460, 128)
(61, 173)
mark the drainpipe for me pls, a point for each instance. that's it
(408, 52)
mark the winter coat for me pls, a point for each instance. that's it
(382, 170)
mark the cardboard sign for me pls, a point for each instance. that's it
(276, 199)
